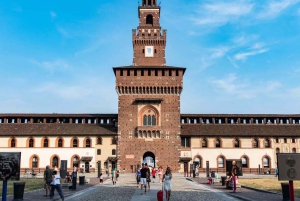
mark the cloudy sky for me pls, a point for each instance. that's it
(242, 56)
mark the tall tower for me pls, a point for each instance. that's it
(149, 41)
(148, 99)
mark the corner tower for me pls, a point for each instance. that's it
(148, 99)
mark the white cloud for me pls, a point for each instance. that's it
(243, 89)
(53, 14)
(245, 55)
(219, 13)
(57, 65)
(219, 52)
(274, 8)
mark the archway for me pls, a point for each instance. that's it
(149, 158)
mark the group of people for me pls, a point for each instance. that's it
(143, 178)
(52, 182)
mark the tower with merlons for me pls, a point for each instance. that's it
(148, 98)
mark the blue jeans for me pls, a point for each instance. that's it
(58, 188)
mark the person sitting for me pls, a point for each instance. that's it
(68, 178)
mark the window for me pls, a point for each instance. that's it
(218, 143)
(31, 142)
(293, 140)
(114, 141)
(45, 144)
(186, 142)
(13, 142)
(113, 152)
(76, 162)
(149, 19)
(55, 162)
(87, 143)
(34, 162)
(267, 143)
(98, 151)
(277, 150)
(277, 140)
(236, 143)
(60, 142)
(266, 162)
(285, 140)
(294, 150)
(197, 162)
(221, 162)
(204, 143)
(99, 140)
(244, 162)
(75, 143)
(149, 120)
(255, 143)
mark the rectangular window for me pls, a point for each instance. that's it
(135, 72)
(156, 72)
(163, 72)
(121, 72)
(142, 72)
(128, 72)
(186, 142)
(177, 72)
(98, 151)
(149, 72)
(170, 72)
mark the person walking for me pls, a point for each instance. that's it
(148, 179)
(138, 177)
(143, 178)
(101, 179)
(114, 176)
(167, 183)
(160, 174)
(55, 184)
(47, 179)
(153, 174)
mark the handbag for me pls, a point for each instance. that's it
(148, 180)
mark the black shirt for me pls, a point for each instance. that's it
(143, 173)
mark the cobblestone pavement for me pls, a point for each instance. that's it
(126, 190)
(243, 193)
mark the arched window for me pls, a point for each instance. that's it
(113, 152)
(267, 143)
(255, 143)
(277, 150)
(46, 143)
(60, 142)
(204, 143)
(221, 162)
(266, 162)
(145, 120)
(87, 143)
(149, 19)
(31, 142)
(13, 142)
(75, 143)
(153, 121)
(218, 143)
(294, 150)
(98, 151)
(34, 162)
(54, 162)
(197, 161)
(113, 141)
(236, 143)
(244, 162)
(99, 140)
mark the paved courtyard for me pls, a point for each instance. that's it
(126, 190)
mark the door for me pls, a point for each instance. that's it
(87, 167)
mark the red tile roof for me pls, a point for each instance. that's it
(40, 129)
(240, 130)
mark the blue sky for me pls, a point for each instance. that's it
(242, 56)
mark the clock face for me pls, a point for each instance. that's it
(148, 51)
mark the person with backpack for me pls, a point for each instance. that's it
(138, 177)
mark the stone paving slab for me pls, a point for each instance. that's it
(247, 194)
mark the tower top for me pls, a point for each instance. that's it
(147, 3)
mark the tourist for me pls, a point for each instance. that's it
(276, 172)
(234, 175)
(55, 184)
(153, 174)
(167, 183)
(138, 177)
(148, 179)
(101, 179)
(143, 178)
(68, 178)
(106, 171)
(47, 179)
(160, 173)
(114, 176)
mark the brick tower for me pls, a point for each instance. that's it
(148, 99)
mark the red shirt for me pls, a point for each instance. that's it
(153, 172)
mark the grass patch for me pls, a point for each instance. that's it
(269, 184)
(30, 184)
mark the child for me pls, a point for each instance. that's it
(101, 179)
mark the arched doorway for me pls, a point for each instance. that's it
(149, 158)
